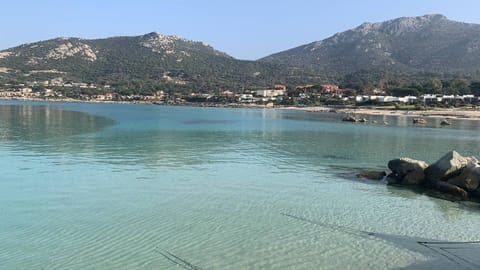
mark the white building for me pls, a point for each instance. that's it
(270, 93)
(248, 98)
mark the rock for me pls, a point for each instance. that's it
(362, 120)
(469, 178)
(372, 175)
(407, 171)
(419, 121)
(393, 179)
(476, 193)
(354, 119)
(447, 166)
(442, 195)
(349, 119)
(416, 177)
(445, 123)
(451, 189)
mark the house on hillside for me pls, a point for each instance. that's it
(331, 88)
(280, 87)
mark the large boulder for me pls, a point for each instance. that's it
(407, 171)
(451, 189)
(476, 193)
(447, 166)
(469, 178)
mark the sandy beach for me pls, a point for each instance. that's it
(438, 112)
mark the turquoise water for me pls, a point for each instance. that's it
(115, 186)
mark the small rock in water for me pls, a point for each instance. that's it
(362, 120)
(419, 121)
(372, 175)
(349, 119)
(354, 119)
(445, 123)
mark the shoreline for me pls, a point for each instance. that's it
(455, 113)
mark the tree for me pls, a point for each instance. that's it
(459, 86)
(475, 88)
(433, 86)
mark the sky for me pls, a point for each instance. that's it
(245, 29)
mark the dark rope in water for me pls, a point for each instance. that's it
(178, 261)
(332, 227)
(449, 254)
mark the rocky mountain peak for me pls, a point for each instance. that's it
(174, 44)
(410, 24)
(67, 49)
(428, 43)
(400, 25)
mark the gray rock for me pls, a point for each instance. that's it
(451, 189)
(447, 166)
(349, 119)
(416, 177)
(419, 121)
(408, 171)
(469, 178)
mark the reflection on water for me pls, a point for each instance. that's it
(35, 123)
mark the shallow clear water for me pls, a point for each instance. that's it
(112, 186)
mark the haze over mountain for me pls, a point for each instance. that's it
(429, 43)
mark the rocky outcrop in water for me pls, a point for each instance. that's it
(452, 174)
(354, 119)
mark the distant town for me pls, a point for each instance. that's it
(277, 95)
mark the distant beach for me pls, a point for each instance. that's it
(460, 113)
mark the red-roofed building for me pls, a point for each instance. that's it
(331, 88)
(280, 87)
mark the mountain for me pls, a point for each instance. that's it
(430, 43)
(409, 48)
(147, 62)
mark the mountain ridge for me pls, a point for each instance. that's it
(418, 47)
(150, 61)
(429, 43)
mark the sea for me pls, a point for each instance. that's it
(130, 186)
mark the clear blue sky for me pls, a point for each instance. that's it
(245, 29)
